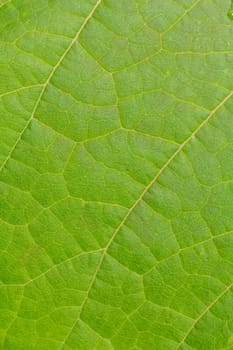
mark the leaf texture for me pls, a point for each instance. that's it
(116, 175)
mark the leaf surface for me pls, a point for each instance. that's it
(116, 192)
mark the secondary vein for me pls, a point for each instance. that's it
(45, 85)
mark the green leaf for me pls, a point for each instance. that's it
(116, 175)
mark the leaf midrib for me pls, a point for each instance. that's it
(146, 189)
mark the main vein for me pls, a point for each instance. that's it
(146, 189)
(45, 85)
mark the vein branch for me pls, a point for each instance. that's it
(179, 19)
(204, 312)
